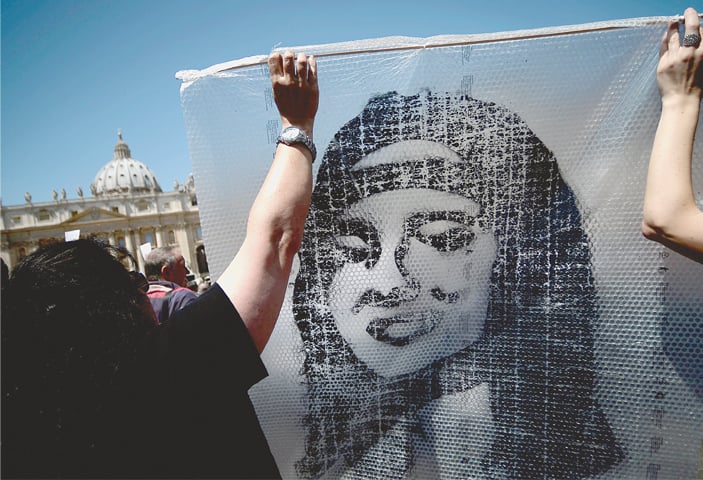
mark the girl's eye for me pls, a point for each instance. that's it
(356, 240)
(353, 248)
(445, 235)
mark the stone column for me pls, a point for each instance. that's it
(160, 242)
(184, 238)
(128, 243)
(134, 249)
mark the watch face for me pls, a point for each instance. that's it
(291, 135)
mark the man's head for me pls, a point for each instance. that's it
(166, 263)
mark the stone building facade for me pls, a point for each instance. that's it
(126, 207)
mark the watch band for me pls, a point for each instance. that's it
(296, 136)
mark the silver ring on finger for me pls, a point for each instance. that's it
(691, 40)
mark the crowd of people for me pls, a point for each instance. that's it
(100, 379)
(93, 386)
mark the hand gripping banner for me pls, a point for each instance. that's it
(473, 297)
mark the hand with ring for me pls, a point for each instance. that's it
(678, 73)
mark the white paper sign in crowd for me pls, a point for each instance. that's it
(473, 297)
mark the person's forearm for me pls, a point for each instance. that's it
(280, 208)
(257, 278)
(669, 199)
(274, 234)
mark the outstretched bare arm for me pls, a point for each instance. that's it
(257, 278)
(670, 214)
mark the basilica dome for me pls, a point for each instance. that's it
(123, 174)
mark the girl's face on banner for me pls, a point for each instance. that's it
(413, 286)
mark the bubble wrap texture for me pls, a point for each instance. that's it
(473, 297)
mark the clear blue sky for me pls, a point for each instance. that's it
(75, 71)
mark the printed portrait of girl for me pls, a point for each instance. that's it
(446, 302)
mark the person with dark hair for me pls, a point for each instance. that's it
(671, 215)
(166, 271)
(5, 273)
(446, 300)
(72, 324)
(92, 387)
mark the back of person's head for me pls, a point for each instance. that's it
(72, 325)
(5, 273)
(157, 259)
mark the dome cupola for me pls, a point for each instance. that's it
(124, 174)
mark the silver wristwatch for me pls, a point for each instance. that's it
(296, 135)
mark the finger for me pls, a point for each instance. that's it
(312, 70)
(666, 38)
(275, 65)
(692, 26)
(691, 20)
(302, 67)
(288, 65)
(672, 37)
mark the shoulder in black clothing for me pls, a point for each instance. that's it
(204, 363)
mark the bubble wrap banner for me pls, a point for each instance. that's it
(473, 297)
